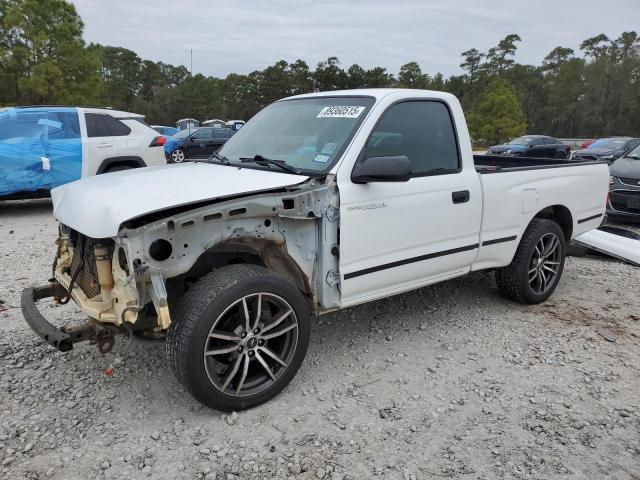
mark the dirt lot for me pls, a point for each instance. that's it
(450, 381)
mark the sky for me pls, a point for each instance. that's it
(239, 36)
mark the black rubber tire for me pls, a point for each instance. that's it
(513, 279)
(562, 156)
(200, 307)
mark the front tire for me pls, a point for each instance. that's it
(238, 337)
(178, 156)
(537, 266)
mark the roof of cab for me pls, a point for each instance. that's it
(376, 93)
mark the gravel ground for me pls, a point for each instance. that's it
(450, 381)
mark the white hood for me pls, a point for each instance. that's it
(97, 206)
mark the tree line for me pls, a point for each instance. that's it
(591, 93)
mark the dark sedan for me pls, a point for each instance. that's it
(606, 149)
(539, 146)
(200, 142)
(624, 186)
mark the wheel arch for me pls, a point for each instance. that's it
(129, 161)
(561, 215)
(265, 253)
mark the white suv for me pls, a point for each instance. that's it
(44, 147)
(114, 140)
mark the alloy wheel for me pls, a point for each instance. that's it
(251, 344)
(177, 156)
(545, 263)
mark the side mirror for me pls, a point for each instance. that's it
(382, 169)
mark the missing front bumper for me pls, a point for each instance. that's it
(63, 338)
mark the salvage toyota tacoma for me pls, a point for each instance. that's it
(321, 202)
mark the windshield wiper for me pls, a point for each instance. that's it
(261, 160)
(214, 158)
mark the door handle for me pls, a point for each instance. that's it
(460, 197)
(105, 145)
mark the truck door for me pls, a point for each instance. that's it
(395, 236)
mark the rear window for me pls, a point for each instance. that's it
(99, 125)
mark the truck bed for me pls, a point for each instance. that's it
(505, 163)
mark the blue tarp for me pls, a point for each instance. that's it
(40, 148)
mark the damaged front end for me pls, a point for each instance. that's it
(127, 283)
(100, 277)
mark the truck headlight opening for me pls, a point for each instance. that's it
(160, 249)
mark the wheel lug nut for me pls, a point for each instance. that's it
(260, 342)
(240, 349)
(256, 331)
(251, 353)
(243, 335)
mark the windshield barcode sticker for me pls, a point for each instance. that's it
(340, 111)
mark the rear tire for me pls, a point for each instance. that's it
(238, 337)
(537, 266)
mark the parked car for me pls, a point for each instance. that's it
(624, 186)
(201, 142)
(45, 147)
(323, 201)
(606, 149)
(166, 131)
(539, 146)
(187, 123)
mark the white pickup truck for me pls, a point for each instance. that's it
(320, 202)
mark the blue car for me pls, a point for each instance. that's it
(166, 131)
(199, 142)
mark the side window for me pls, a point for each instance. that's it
(222, 134)
(421, 130)
(99, 125)
(115, 127)
(203, 135)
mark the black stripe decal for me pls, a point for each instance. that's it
(499, 240)
(592, 217)
(407, 261)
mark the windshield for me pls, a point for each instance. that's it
(309, 133)
(612, 143)
(521, 141)
(635, 153)
(183, 133)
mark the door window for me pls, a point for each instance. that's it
(421, 130)
(202, 135)
(222, 134)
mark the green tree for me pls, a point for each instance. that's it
(498, 115)
(329, 76)
(301, 78)
(42, 53)
(356, 76)
(498, 57)
(472, 63)
(411, 76)
(121, 74)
